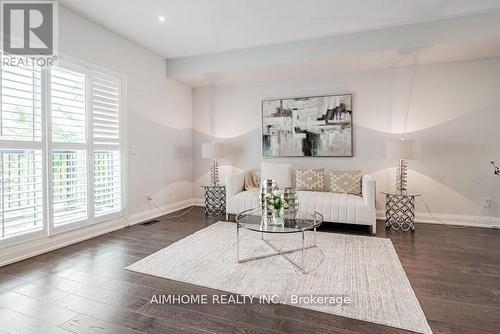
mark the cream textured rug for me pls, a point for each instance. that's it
(366, 269)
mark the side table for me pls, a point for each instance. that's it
(400, 211)
(215, 200)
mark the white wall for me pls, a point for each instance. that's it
(158, 111)
(454, 114)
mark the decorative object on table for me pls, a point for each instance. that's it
(213, 151)
(402, 150)
(215, 200)
(310, 179)
(400, 211)
(276, 203)
(496, 169)
(291, 201)
(268, 187)
(346, 181)
(318, 126)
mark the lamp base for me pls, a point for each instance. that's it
(401, 176)
(214, 172)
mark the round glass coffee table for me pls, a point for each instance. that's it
(298, 222)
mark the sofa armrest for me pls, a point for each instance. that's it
(234, 184)
(368, 190)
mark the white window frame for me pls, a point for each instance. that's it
(46, 146)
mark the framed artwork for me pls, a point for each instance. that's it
(317, 126)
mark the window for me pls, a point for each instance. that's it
(60, 149)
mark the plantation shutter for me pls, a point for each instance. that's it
(106, 109)
(21, 103)
(21, 183)
(68, 106)
(21, 196)
(69, 155)
(60, 149)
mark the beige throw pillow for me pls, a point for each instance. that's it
(346, 181)
(310, 179)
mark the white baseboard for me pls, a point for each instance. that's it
(458, 220)
(32, 248)
(156, 212)
(199, 202)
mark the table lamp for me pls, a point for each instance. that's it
(402, 150)
(213, 151)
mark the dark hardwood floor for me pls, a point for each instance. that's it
(83, 288)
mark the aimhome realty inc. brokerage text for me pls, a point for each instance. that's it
(234, 299)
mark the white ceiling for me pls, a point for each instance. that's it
(197, 27)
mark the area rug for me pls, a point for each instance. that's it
(364, 269)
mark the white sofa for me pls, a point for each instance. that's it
(335, 207)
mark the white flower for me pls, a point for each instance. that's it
(278, 193)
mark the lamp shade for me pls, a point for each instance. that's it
(400, 149)
(212, 150)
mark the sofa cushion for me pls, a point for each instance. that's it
(345, 181)
(336, 207)
(281, 173)
(242, 201)
(310, 179)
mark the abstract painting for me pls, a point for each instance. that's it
(319, 126)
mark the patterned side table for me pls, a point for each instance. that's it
(400, 211)
(215, 200)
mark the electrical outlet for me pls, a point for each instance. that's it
(486, 202)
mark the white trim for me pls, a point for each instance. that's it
(90, 146)
(154, 212)
(199, 202)
(69, 146)
(111, 215)
(22, 238)
(71, 225)
(21, 145)
(18, 252)
(458, 220)
(29, 249)
(124, 147)
(46, 153)
(89, 66)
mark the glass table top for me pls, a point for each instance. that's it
(290, 223)
(401, 194)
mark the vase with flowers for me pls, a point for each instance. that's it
(277, 202)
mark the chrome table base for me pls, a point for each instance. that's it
(278, 252)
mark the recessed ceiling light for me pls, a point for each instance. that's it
(161, 18)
